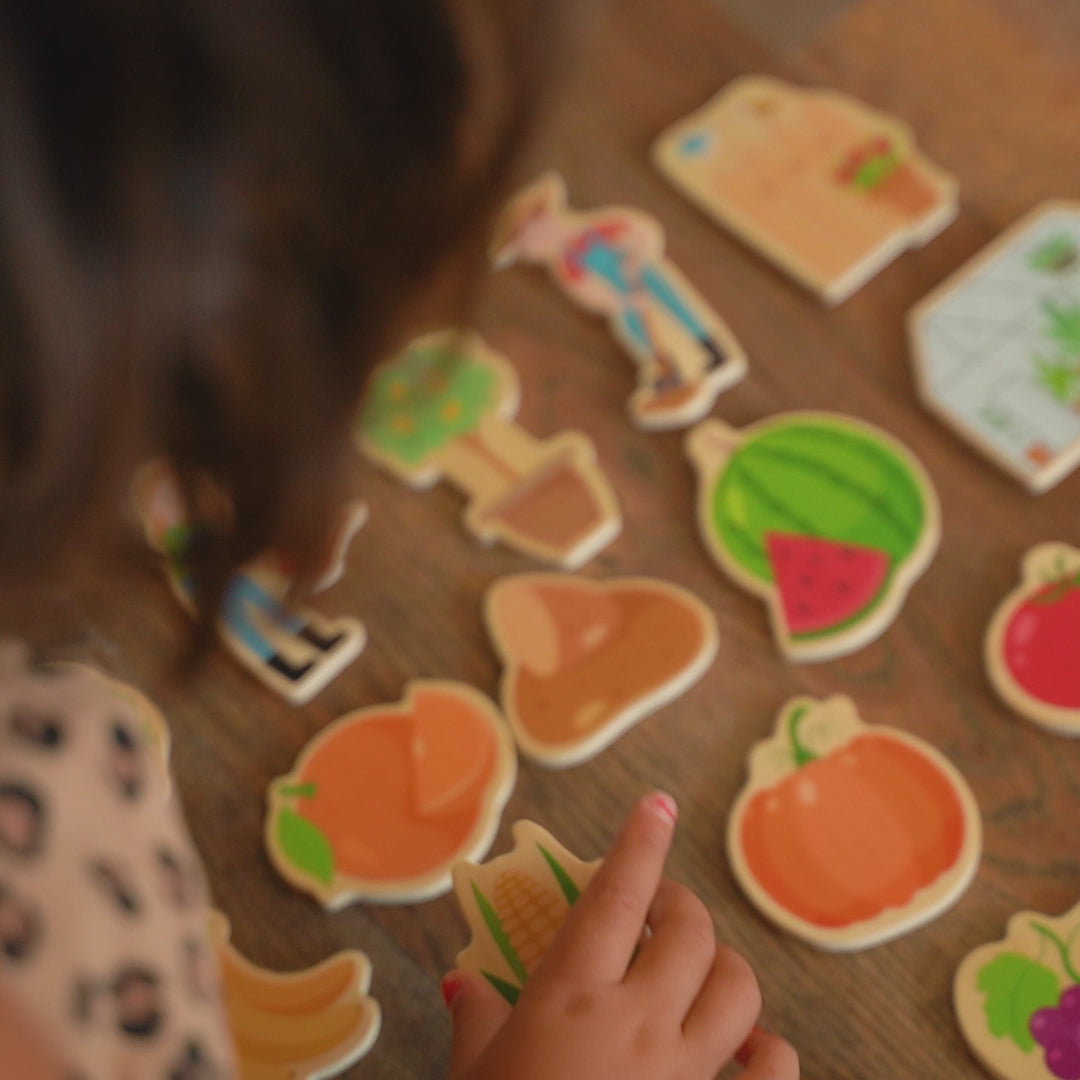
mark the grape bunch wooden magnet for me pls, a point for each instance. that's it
(1033, 643)
(611, 262)
(445, 409)
(997, 348)
(848, 834)
(1018, 999)
(827, 188)
(583, 661)
(289, 647)
(515, 905)
(827, 519)
(303, 1025)
(381, 804)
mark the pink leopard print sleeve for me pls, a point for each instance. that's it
(103, 906)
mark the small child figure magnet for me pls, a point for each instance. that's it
(303, 1025)
(828, 519)
(1018, 999)
(381, 804)
(1033, 643)
(611, 262)
(445, 408)
(847, 834)
(997, 348)
(827, 188)
(586, 660)
(290, 648)
(516, 904)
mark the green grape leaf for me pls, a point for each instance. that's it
(1016, 987)
(305, 846)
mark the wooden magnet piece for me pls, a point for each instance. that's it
(381, 804)
(826, 518)
(996, 348)
(825, 187)
(611, 262)
(849, 834)
(445, 408)
(583, 661)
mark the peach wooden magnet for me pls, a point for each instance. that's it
(381, 804)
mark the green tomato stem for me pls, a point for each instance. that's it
(802, 754)
(1061, 947)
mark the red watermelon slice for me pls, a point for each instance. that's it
(824, 583)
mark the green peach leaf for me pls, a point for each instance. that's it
(305, 846)
(1016, 988)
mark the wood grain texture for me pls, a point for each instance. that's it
(993, 91)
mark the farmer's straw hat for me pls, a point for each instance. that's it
(545, 196)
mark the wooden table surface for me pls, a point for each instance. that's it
(992, 88)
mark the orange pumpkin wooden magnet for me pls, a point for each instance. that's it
(848, 835)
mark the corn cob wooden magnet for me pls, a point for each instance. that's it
(515, 905)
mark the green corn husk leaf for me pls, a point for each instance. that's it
(499, 935)
(566, 882)
(508, 990)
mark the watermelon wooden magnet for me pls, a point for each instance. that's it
(848, 835)
(384, 801)
(1018, 999)
(827, 519)
(1033, 643)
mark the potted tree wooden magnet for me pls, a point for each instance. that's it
(444, 409)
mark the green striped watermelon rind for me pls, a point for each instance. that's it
(712, 445)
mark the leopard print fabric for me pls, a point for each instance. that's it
(103, 906)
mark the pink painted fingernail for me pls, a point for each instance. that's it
(664, 804)
(450, 987)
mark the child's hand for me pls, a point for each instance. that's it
(681, 1010)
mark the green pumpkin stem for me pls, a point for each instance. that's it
(1061, 947)
(802, 754)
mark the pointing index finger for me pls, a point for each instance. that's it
(598, 939)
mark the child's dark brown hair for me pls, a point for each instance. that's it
(212, 213)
